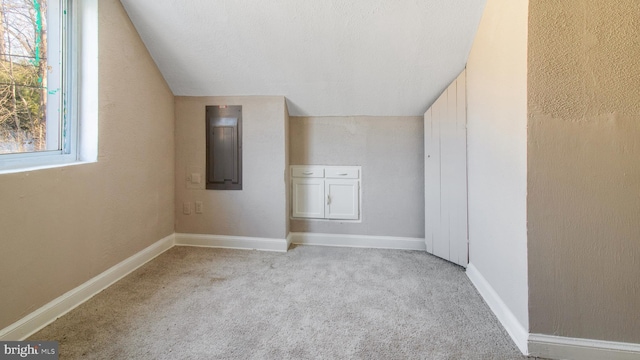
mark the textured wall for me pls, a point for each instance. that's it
(62, 226)
(391, 153)
(584, 169)
(497, 153)
(259, 209)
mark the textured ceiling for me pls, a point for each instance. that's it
(328, 57)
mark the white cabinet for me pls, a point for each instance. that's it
(325, 192)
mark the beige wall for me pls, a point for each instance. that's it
(62, 226)
(391, 153)
(497, 154)
(584, 169)
(259, 209)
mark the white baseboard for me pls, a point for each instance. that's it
(232, 242)
(289, 240)
(509, 321)
(538, 345)
(557, 347)
(361, 241)
(548, 346)
(56, 308)
(61, 305)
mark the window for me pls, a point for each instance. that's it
(38, 117)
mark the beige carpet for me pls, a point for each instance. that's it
(308, 303)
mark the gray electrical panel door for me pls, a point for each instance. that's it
(224, 147)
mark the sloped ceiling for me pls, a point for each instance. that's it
(328, 57)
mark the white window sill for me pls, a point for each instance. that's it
(43, 167)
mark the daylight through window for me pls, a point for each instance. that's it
(32, 115)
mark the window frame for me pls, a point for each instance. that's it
(70, 23)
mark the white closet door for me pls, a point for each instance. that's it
(446, 175)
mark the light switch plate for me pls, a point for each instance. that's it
(186, 208)
(193, 177)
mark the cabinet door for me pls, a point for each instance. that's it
(308, 198)
(342, 199)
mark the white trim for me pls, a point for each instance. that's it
(88, 80)
(557, 347)
(509, 321)
(232, 242)
(61, 305)
(50, 165)
(360, 241)
(289, 240)
(539, 345)
(81, 94)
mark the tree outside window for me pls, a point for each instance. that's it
(23, 77)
